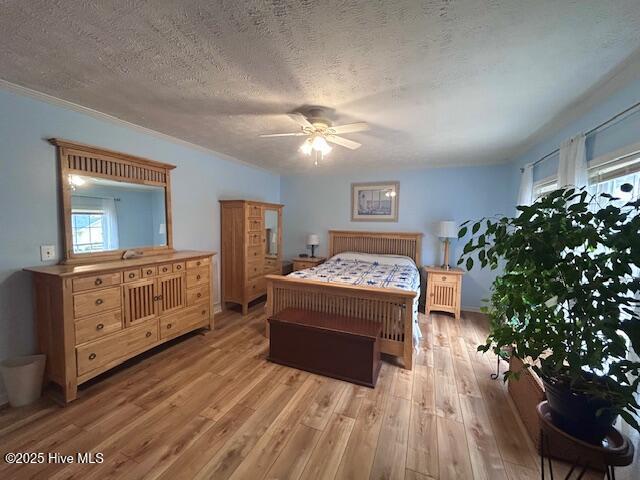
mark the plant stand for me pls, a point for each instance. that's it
(616, 450)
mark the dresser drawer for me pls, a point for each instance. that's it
(181, 322)
(164, 269)
(132, 275)
(254, 253)
(150, 271)
(254, 239)
(96, 281)
(115, 346)
(199, 262)
(97, 301)
(255, 268)
(197, 277)
(255, 225)
(97, 326)
(197, 295)
(254, 211)
(178, 267)
(256, 287)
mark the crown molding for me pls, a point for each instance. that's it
(66, 104)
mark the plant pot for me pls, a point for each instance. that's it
(575, 412)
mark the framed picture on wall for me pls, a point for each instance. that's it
(375, 202)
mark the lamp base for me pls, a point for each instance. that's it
(313, 248)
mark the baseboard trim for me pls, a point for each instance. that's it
(471, 309)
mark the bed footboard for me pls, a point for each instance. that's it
(392, 308)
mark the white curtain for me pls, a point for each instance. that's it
(572, 170)
(525, 194)
(110, 229)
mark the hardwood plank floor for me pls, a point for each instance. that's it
(211, 407)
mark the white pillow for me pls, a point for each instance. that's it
(371, 258)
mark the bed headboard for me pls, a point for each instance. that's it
(385, 243)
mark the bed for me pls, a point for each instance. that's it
(382, 287)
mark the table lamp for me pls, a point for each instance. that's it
(446, 231)
(313, 240)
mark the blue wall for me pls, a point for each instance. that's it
(318, 203)
(29, 213)
(617, 135)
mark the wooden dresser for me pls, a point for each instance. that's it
(444, 290)
(92, 317)
(251, 248)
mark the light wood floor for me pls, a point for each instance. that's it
(210, 406)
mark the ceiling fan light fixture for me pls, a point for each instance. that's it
(319, 144)
(306, 147)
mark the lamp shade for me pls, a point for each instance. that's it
(313, 239)
(447, 229)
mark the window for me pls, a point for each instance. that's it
(544, 187)
(605, 178)
(87, 227)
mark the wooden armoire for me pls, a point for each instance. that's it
(251, 247)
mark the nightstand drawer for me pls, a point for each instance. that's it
(444, 277)
(132, 275)
(149, 272)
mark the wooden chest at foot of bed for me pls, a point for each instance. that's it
(333, 345)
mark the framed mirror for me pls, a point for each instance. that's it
(112, 202)
(272, 232)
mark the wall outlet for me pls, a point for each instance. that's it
(47, 252)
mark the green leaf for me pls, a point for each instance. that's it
(469, 263)
(475, 228)
(462, 232)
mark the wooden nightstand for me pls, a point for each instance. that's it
(444, 290)
(300, 263)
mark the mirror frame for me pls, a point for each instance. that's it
(79, 159)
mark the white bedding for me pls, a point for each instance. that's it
(383, 271)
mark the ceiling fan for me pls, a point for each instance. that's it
(320, 132)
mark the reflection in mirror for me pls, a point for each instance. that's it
(111, 215)
(271, 232)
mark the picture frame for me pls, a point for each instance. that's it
(375, 201)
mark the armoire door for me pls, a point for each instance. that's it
(140, 301)
(171, 293)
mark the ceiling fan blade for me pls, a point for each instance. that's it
(300, 120)
(296, 134)
(343, 142)
(349, 128)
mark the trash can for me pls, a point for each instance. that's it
(23, 378)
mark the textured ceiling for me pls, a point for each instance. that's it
(441, 82)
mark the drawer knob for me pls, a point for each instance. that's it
(92, 356)
(149, 272)
(198, 277)
(178, 267)
(132, 275)
(99, 301)
(157, 297)
(199, 295)
(444, 278)
(100, 326)
(148, 334)
(204, 312)
(164, 269)
(98, 281)
(198, 263)
(168, 325)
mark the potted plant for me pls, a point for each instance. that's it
(566, 301)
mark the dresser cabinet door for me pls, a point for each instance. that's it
(171, 293)
(140, 300)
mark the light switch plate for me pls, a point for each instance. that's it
(47, 252)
